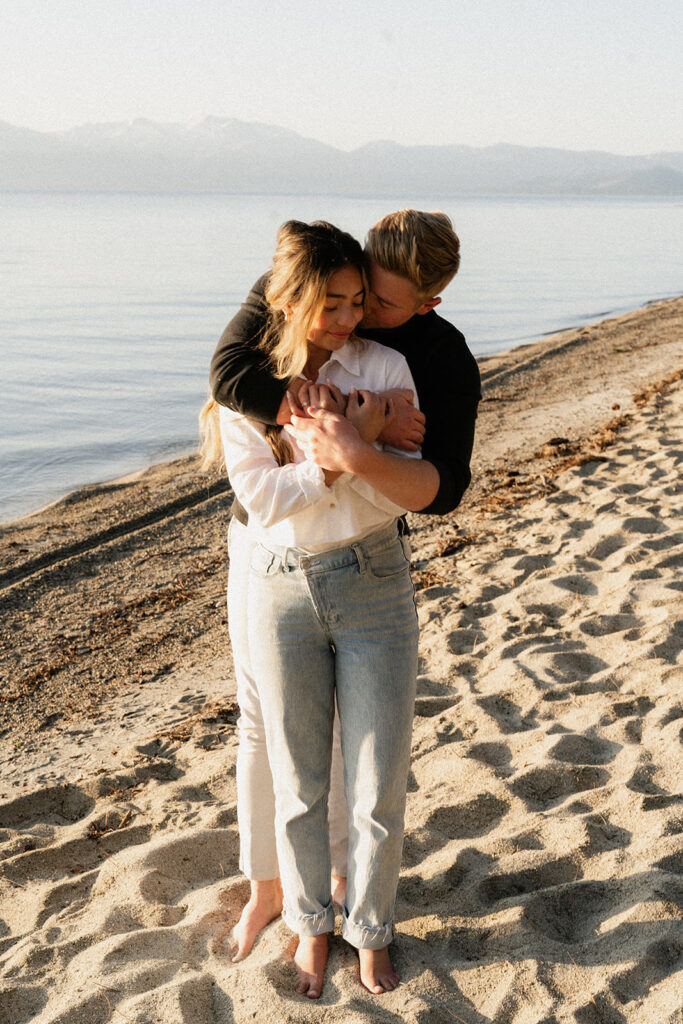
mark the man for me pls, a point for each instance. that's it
(411, 256)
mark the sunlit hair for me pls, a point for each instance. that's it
(211, 445)
(420, 246)
(306, 257)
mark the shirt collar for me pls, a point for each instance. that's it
(348, 356)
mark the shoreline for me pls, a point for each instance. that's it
(84, 490)
(541, 871)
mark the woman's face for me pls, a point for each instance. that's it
(342, 312)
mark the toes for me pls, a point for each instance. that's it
(310, 987)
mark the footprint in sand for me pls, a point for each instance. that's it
(507, 714)
(606, 625)
(602, 835)
(58, 805)
(428, 707)
(495, 755)
(575, 585)
(513, 884)
(573, 912)
(608, 546)
(577, 749)
(662, 959)
(468, 819)
(20, 1003)
(541, 787)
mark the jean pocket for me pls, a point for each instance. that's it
(264, 562)
(390, 562)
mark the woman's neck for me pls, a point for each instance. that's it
(317, 357)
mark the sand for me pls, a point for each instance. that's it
(541, 881)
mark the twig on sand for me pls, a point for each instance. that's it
(577, 967)
(112, 1009)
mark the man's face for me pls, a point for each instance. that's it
(393, 299)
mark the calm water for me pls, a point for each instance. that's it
(111, 305)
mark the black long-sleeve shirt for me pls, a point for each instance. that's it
(445, 372)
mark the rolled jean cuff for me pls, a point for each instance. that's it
(265, 872)
(363, 937)
(310, 924)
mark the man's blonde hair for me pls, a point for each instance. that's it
(420, 246)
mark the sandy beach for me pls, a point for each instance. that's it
(541, 879)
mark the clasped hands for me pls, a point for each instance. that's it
(334, 431)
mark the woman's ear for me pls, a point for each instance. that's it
(288, 312)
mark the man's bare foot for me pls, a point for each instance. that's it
(376, 972)
(265, 904)
(310, 959)
(338, 885)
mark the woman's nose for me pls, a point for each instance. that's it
(349, 316)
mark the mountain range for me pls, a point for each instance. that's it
(228, 155)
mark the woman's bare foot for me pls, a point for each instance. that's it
(265, 904)
(310, 959)
(376, 972)
(338, 885)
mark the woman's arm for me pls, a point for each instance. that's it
(269, 492)
(403, 481)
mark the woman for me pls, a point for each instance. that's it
(330, 609)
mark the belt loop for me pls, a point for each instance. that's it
(358, 552)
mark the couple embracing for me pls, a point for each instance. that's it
(341, 401)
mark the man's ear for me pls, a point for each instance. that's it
(426, 306)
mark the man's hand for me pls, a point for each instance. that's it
(332, 441)
(370, 413)
(328, 439)
(406, 429)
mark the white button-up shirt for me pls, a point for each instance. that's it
(291, 506)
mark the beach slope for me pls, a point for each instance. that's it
(541, 881)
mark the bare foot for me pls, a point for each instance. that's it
(376, 972)
(265, 904)
(310, 959)
(338, 885)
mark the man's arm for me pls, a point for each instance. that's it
(331, 440)
(240, 375)
(449, 388)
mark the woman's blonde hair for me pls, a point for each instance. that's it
(306, 257)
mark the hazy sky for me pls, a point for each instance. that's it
(578, 74)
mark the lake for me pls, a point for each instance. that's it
(111, 304)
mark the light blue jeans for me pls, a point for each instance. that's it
(342, 622)
(255, 797)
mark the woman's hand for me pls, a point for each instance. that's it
(369, 413)
(322, 396)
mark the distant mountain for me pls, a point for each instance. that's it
(227, 155)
